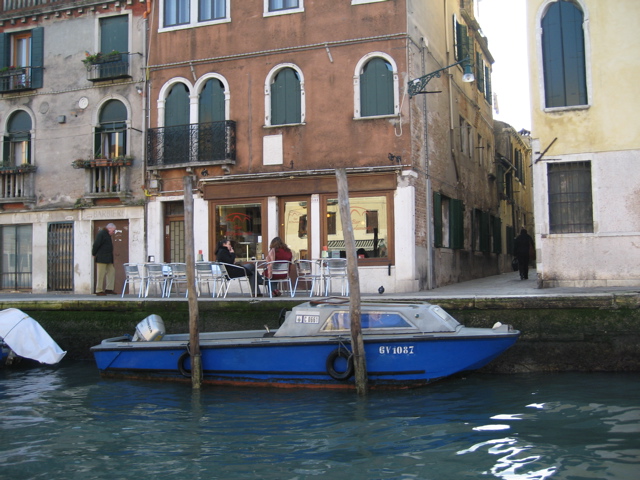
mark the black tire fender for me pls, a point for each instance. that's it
(335, 354)
(183, 371)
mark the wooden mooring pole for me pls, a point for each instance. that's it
(357, 344)
(189, 251)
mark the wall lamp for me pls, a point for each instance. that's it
(418, 85)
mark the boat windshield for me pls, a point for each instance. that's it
(342, 321)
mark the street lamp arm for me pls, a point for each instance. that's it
(418, 85)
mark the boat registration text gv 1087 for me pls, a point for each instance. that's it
(401, 350)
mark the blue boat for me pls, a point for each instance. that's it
(406, 345)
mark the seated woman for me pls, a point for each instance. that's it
(226, 254)
(278, 250)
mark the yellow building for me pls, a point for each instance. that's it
(585, 140)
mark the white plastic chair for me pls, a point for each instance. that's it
(155, 276)
(210, 274)
(279, 268)
(308, 273)
(132, 275)
(178, 276)
(335, 269)
(240, 279)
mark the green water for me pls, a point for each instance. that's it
(67, 423)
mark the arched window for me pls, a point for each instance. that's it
(212, 102)
(111, 133)
(17, 144)
(563, 55)
(285, 97)
(177, 106)
(376, 88)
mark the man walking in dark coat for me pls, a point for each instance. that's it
(521, 248)
(103, 251)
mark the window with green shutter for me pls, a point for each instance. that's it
(563, 55)
(437, 219)
(211, 103)
(376, 88)
(17, 144)
(285, 98)
(496, 223)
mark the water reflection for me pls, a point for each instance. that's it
(69, 423)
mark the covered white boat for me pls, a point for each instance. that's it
(23, 337)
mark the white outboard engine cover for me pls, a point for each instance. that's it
(150, 329)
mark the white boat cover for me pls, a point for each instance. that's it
(27, 338)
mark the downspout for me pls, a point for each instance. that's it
(146, 121)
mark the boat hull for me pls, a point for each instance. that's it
(391, 362)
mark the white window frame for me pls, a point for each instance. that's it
(267, 94)
(361, 2)
(193, 20)
(357, 114)
(287, 11)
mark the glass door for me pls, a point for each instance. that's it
(294, 226)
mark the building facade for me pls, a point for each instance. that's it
(73, 139)
(585, 144)
(514, 180)
(261, 100)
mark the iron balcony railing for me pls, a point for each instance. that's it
(185, 145)
(18, 78)
(108, 67)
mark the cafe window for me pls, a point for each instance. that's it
(371, 226)
(242, 224)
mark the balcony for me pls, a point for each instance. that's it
(105, 176)
(17, 184)
(18, 78)
(107, 67)
(192, 145)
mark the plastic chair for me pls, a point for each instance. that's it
(177, 277)
(307, 272)
(209, 273)
(133, 275)
(335, 269)
(240, 279)
(155, 276)
(281, 269)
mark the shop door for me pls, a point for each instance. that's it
(294, 226)
(120, 249)
(174, 238)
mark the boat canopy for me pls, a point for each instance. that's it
(27, 338)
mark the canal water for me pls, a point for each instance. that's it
(68, 423)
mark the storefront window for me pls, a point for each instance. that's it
(242, 224)
(369, 218)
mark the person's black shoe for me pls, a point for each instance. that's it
(101, 294)
(110, 292)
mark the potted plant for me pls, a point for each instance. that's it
(25, 168)
(92, 59)
(80, 163)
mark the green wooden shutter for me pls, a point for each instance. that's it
(37, 57)
(114, 34)
(5, 50)
(376, 88)
(456, 223)
(479, 72)
(437, 219)
(285, 98)
(497, 235)
(484, 232)
(177, 106)
(6, 148)
(487, 81)
(211, 107)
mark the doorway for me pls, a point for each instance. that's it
(294, 225)
(120, 249)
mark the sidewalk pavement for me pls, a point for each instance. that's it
(504, 285)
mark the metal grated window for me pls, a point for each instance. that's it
(570, 201)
